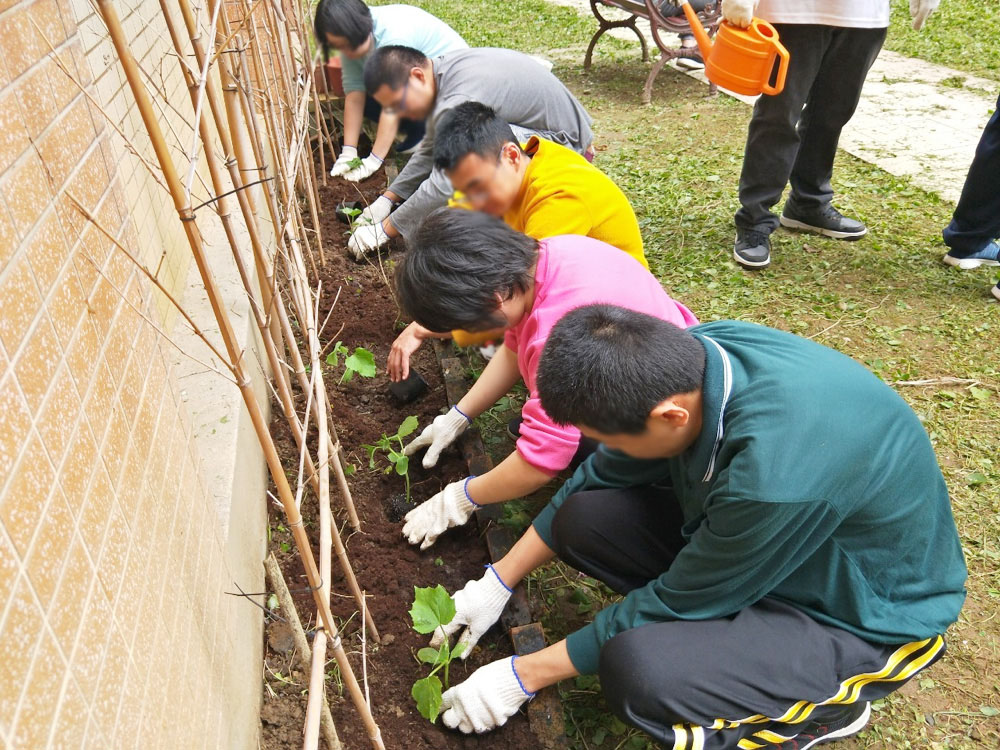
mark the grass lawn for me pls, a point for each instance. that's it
(885, 300)
(961, 34)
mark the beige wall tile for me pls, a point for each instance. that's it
(21, 42)
(71, 722)
(23, 502)
(15, 421)
(37, 362)
(59, 415)
(26, 190)
(21, 303)
(88, 657)
(111, 568)
(19, 636)
(47, 555)
(79, 467)
(41, 695)
(93, 521)
(10, 564)
(66, 618)
(13, 133)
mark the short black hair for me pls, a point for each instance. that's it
(605, 367)
(350, 19)
(456, 264)
(390, 66)
(470, 128)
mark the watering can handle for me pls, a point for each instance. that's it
(779, 81)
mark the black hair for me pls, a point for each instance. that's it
(456, 264)
(350, 19)
(390, 66)
(605, 367)
(470, 128)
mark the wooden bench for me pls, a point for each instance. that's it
(648, 10)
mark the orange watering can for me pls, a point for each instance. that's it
(741, 60)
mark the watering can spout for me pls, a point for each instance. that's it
(700, 35)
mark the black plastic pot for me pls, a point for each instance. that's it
(410, 389)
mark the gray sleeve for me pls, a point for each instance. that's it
(417, 169)
(432, 193)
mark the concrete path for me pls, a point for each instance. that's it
(915, 119)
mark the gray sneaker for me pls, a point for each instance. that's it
(827, 221)
(752, 249)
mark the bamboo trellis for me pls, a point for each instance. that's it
(258, 54)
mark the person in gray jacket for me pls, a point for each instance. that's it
(405, 82)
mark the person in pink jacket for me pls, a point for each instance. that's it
(468, 270)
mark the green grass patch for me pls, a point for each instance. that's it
(960, 34)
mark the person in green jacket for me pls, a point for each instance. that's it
(773, 515)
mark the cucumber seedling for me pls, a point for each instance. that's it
(392, 446)
(362, 362)
(433, 608)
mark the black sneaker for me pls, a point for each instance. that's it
(827, 221)
(752, 249)
(851, 721)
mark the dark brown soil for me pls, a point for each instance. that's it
(387, 568)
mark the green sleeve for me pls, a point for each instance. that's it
(604, 469)
(742, 551)
(352, 74)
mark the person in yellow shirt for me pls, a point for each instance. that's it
(538, 187)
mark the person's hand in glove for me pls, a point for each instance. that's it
(366, 238)
(920, 9)
(477, 607)
(439, 434)
(738, 12)
(369, 166)
(343, 164)
(452, 506)
(375, 213)
(486, 700)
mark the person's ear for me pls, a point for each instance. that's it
(511, 153)
(419, 74)
(670, 413)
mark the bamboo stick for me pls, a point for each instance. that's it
(186, 215)
(287, 605)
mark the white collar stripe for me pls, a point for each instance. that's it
(727, 389)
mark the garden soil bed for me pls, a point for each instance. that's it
(387, 568)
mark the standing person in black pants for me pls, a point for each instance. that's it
(793, 136)
(971, 236)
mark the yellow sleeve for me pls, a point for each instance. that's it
(558, 214)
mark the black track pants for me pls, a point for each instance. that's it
(794, 135)
(748, 681)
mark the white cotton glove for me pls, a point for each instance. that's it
(366, 238)
(369, 166)
(486, 700)
(452, 506)
(477, 607)
(738, 12)
(920, 9)
(376, 213)
(343, 164)
(439, 434)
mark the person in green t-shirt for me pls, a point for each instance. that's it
(773, 515)
(355, 31)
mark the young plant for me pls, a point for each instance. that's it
(388, 444)
(433, 608)
(355, 162)
(362, 362)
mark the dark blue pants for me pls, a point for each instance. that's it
(412, 130)
(976, 220)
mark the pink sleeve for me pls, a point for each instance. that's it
(543, 444)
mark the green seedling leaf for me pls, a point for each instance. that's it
(350, 470)
(427, 694)
(432, 608)
(980, 394)
(433, 656)
(348, 376)
(361, 362)
(355, 162)
(408, 427)
(438, 561)
(402, 464)
(460, 648)
(989, 710)
(272, 602)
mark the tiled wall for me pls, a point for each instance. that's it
(115, 631)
